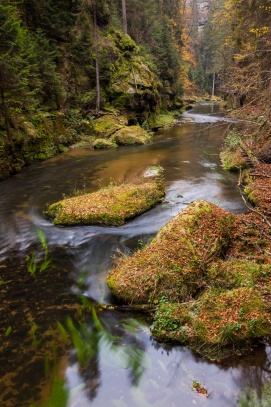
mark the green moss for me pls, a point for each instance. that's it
(238, 273)
(134, 86)
(171, 323)
(162, 120)
(131, 135)
(228, 319)
(219, 324)
(251, 195)
(43, 137)
(127, 45)
(107, 125)
(175, 263)
(232, 160)
(109, 206)
(101, 144)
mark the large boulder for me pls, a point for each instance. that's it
(174, 265)
(131, 135)
(102, 144)
(106, 125)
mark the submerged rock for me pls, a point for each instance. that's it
(112, 205)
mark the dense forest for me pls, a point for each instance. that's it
(62, 63)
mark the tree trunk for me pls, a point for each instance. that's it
(98, 89)
(124, 16)
(5, 113)
(213, 87)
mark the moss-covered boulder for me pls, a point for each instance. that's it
(237, 273)
(232, 160)
(109, 206)
(219, 324)
(102, 144)
(174, 265)
(162, 120)
(115, 130)
(232, 155)
(131, 135)
(105, 126)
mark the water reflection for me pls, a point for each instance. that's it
(130, 369)
(102, 348)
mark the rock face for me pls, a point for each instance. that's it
(204, 8)
(134, 86)
(38, 138)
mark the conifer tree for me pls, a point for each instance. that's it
(11, 79)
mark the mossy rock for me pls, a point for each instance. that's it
(102, 144)
(172, 323)
(238, 273)
(127, 45)
(174, 265)
(43, 137)
(107, 125)
(131, 135)
(252, 195)
(162, 120)
(134, 86)
(232, 160)
(112, 206)
(219, 324)
(132, 74)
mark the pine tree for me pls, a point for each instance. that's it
(11, 80)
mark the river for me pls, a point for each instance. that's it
(127, 367)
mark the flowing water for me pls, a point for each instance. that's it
(126, 367)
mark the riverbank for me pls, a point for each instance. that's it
(45, 135)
